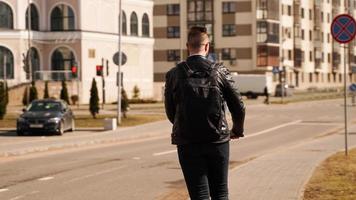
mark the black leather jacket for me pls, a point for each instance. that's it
(229, 93)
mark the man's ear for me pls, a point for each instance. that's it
(206, 47)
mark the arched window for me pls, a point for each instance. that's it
(5, 53)
(6, 16)
(145, 26)
(35, 63)
(62, 59)
(124, 24)
(62, 18)
(134, 24)
(35, 22)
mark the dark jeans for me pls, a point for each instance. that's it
(205, 168)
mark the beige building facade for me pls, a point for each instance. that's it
(254, 37)
(83, 33)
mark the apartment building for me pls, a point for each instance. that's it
(64, 33)
(253, 37)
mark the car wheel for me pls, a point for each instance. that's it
(60, 130)
(20, 133)
(72, 127)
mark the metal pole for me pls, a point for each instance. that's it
(78, 80)
(5, 70)
(103, 82)
(119, 67)
(345, 99)
(29, 54)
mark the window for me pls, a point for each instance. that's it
(303, 36)
(310, 14)
(289, 54)
(145, 26)
(173, 9)
(35, 63)
(311, 56)
(229, 7)
(134, 24)
(6, 53)
(173, 32)
(124, 23)
(199, 10)
(302, 13)
(310, 35)
(34, 18)
(173, 55)
(62, 18)
(289, 10)
(6, 16)
(310, 77)
(329, 57)
(322, 16)
(229, 30)
(62, 59)
(261, 31)
(228, 54)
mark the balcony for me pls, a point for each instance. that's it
(297, 43)
(297, 57)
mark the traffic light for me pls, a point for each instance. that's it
(99, 70)
(74, 71)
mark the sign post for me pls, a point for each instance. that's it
(343, 30)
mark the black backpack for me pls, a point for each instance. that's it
(201, 104)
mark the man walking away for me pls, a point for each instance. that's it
(195, 94)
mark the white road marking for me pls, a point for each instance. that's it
(248, 136)
(4, 190)
(136, 158)
(165, 153)
(46, 178)
(271, 129)
(95, 174)
(319, 124)
(23, 196)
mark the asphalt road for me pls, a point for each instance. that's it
(148, 169)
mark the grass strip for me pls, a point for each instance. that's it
(334, 179)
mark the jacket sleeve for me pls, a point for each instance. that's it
(234, 102)
(168, 97)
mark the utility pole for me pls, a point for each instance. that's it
(119, 66)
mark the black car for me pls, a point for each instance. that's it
(48, 116)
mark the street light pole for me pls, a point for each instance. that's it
(119, 67)
(29, 53)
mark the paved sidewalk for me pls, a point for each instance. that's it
(41, 144)
(282, 175)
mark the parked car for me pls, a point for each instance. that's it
(46, 115)
(287, 91)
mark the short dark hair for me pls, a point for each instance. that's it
(196, 36)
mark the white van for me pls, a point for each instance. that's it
(253, 85)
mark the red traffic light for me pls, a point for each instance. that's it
(99, 70)
(74, 69)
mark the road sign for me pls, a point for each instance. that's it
(353, 87)
(275, 70)
(116, 58)
(343, 28)
(353, 69)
